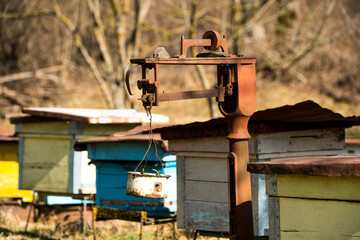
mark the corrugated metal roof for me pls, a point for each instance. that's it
(137, 134)
(92, 116)
(342, 165)
(301, 116)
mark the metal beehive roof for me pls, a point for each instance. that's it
(301, 116)
(91, 116)
(342, 165)
(137, 134)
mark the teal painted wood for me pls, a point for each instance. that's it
(114, 160)
(131, 151)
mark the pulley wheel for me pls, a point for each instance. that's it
(215, 40)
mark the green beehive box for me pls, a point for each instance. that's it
(47, 160)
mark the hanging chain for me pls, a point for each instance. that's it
(150, 142)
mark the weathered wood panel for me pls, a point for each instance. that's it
(274, 218)
(132, 151)
(206, 169)
(319, 219)
(104, 129)
(270, 143)
(181, 205)
(56, 127)
(321, 187)
(207, 216)
(206, 191)
(45, 165)
(215, 144)
(299, 141)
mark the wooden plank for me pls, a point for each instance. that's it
(322, 187)
(319, 219)
(60, 127)
(271, 185)
(106, 129)
(206, 191)
(202, 154)
(214, 144)
(207, 216)
(297, 141)
(181, 206)
(45, 164)
(132, 151)
(206, 169)
(274, 218)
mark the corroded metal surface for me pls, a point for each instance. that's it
(148, 185)
(91, 116)
(343, 165)
(211, 41)
(137, 134)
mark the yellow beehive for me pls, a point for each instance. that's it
(314, 198)
(9, 170)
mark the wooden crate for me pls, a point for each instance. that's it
(48, 162)
(316, 198)
(276, 134)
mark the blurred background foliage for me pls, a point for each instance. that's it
(74, 53)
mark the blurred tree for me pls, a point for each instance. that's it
(312, 44)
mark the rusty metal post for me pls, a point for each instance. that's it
(240, 207)
(237, 109)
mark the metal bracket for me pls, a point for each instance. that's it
(211, 41)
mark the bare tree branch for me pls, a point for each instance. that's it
(79, 44)
(99, 33)
(15, 16)
(40, 73)
(13, 96)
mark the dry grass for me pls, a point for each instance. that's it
(12, 228)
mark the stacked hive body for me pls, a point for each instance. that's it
(48, 162)
(314, 198)
(120, 153)
(9, 170)
(298, 131)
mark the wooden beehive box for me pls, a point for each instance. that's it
(120, 153)
(313, 198)
(298, 131)
(9, 170)
(47, 160)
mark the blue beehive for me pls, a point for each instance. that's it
(120, 153)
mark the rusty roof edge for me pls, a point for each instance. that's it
(137, 134)
(266, 121)
(341, 165)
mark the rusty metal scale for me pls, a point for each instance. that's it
(236, 96)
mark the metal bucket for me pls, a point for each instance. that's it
(149, 185)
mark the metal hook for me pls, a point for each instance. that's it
(127, 78)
